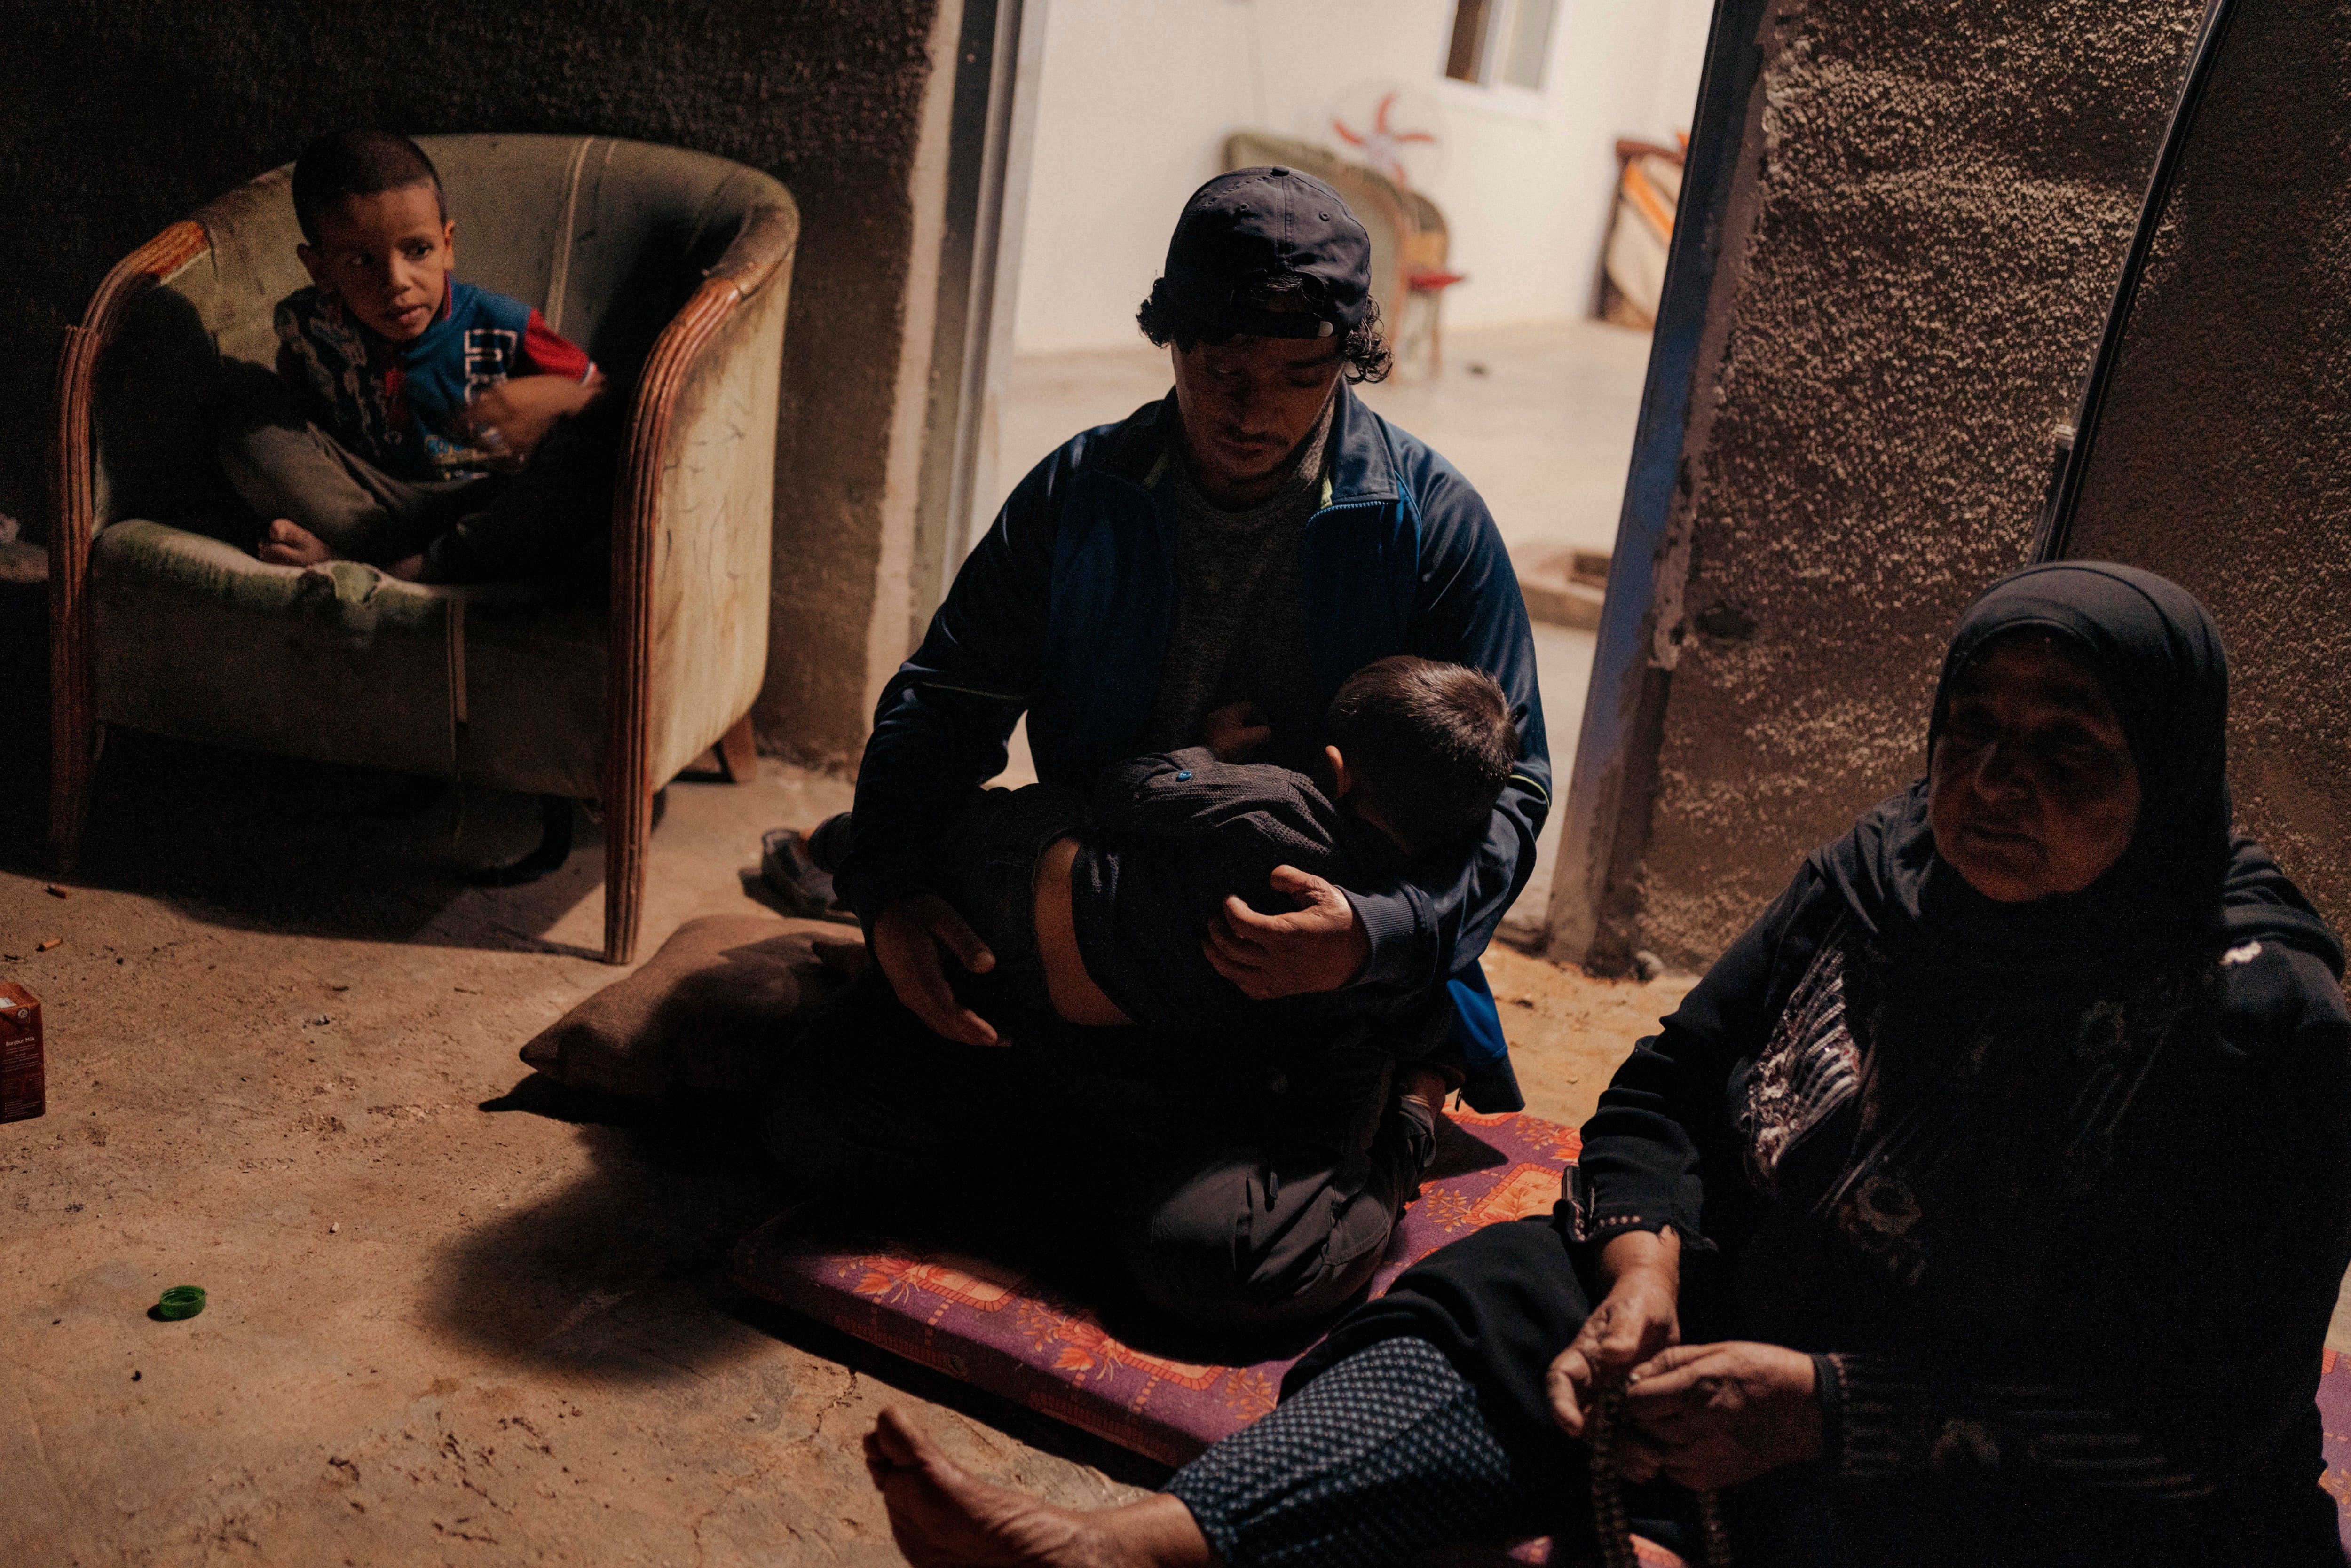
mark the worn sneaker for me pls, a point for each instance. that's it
(788, 872)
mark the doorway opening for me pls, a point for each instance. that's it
(1517, 164)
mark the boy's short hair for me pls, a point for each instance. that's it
(1429, 745)
(357, 163)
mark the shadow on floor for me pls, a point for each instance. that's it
(272, 843)
(620, 1271)
(24, 720)
(282, 845)
(624, 1275)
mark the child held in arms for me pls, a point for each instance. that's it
(417, 424)
(1103, 908)
(1099, 909)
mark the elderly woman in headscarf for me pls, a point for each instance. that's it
(1985, 1204)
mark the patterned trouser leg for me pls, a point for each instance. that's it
(1380, 1458)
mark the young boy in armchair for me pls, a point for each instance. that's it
(432, 429)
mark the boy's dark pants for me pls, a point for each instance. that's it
(553, 515)
(1232, 1199)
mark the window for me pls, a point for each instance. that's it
(1501, 41)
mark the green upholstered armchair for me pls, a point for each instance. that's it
(672, 268)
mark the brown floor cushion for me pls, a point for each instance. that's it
(704, 1012)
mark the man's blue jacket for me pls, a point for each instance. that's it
(1064, 611)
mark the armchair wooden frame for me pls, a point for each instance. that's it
(759, 252)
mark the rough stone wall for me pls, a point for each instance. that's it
(1943, 198)
(117, 116)
(2223, 458)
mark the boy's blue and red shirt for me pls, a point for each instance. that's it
(397, 404)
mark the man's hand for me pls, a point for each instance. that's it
(1237, 732)
(1640, 1316)
(1716, 1415)
(1320, 948)
(509, 419)
(906, 942)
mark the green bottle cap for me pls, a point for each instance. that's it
(181, 1301)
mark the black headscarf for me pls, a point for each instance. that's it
(2183, 886)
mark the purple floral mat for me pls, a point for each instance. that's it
(993, 1327)
(2335, 1421)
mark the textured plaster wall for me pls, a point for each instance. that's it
(118, 117)
(2223, 459)
(1940, 201)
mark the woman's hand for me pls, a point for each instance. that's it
(1640, 1316)
(1715, 1415)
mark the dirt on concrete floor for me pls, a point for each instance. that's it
(1568, 1031)
(452, 1318)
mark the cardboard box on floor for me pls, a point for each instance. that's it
(22, 1064)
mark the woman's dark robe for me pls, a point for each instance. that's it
(2058, 1193)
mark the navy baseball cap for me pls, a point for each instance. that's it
(1255, 225)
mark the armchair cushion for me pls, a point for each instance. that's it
(197, 639)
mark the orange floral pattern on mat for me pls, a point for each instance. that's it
(963, 1282)
(1527, 1191)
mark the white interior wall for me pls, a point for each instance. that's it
(1137, 96)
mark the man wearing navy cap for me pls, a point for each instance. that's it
(1237, 548)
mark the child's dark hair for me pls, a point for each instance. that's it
(357, 163)
(1429, 745)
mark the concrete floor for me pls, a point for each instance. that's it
(454, 1317)
(1540, 417)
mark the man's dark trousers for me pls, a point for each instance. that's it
(1237, 1193)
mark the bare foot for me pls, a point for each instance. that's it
(941, 1515)
(289, 544)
